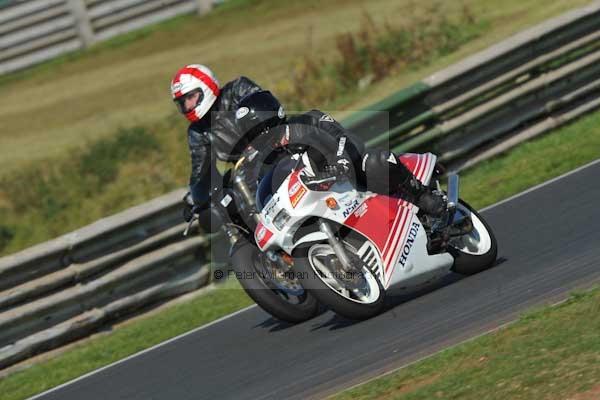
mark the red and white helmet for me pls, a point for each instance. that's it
(195, 78)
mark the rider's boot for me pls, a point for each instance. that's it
(432, 203)
(383, 172)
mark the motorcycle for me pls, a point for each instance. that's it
(349, 247)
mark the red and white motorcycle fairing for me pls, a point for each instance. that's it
(397, 248)
(393, 227)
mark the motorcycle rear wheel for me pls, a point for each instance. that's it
(291, 304)
(477, 250)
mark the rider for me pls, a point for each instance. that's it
(218, 130)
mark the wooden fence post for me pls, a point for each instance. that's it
(82, 21)
(204, 6)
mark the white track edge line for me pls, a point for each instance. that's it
(541, 185)
(254, 305)
(216, 321)
(492, 330)
(435, 353)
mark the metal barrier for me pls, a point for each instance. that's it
(33, 31)
(521, 87)
(538, 79)
(63, 289)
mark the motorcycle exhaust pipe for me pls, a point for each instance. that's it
(242, 187)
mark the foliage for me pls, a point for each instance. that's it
(56, 196)
(376, 52)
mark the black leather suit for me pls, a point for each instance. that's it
(216, 137)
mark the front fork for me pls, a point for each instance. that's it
(452, 198)
(445, 228)
(336, 245)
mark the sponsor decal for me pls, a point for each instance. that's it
(297, 197)
(341, 146)
(271, 207)
(177, 86)
(326, 118)
(345, 200)
(281, 112)
(362, 210)
(410, 240)
(226, 200)
(351, 209)
(296, 190)
(262, 235)
(241, 112)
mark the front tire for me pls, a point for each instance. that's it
(330, 289)
(293, 304)
(477, 250)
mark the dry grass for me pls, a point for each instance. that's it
(505, 19)
(379, 50)
(592, 394)
(54, 116)
(128, 85)
(50, 110)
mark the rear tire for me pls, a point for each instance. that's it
(290, 306)
(476, 251)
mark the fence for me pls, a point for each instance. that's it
(65, 288)
(521, 87)
(513, 91)
(33, 31)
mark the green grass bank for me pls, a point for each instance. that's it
(483, 185)
(550, 354)
(92, 149)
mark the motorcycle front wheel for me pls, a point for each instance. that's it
(354, 294)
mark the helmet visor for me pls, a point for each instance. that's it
(187, 102)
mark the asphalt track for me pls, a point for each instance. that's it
(549, 244)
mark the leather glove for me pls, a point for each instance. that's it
(189, 208)
(341, 169)
(343, 166)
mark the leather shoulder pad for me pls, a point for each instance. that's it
(198, 137)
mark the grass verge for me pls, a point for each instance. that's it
(111, 174)
(50, 110)
(549, 354)
(57, 196)
(70, 165)
(533, 162)
(124, 341)
(544, 158)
